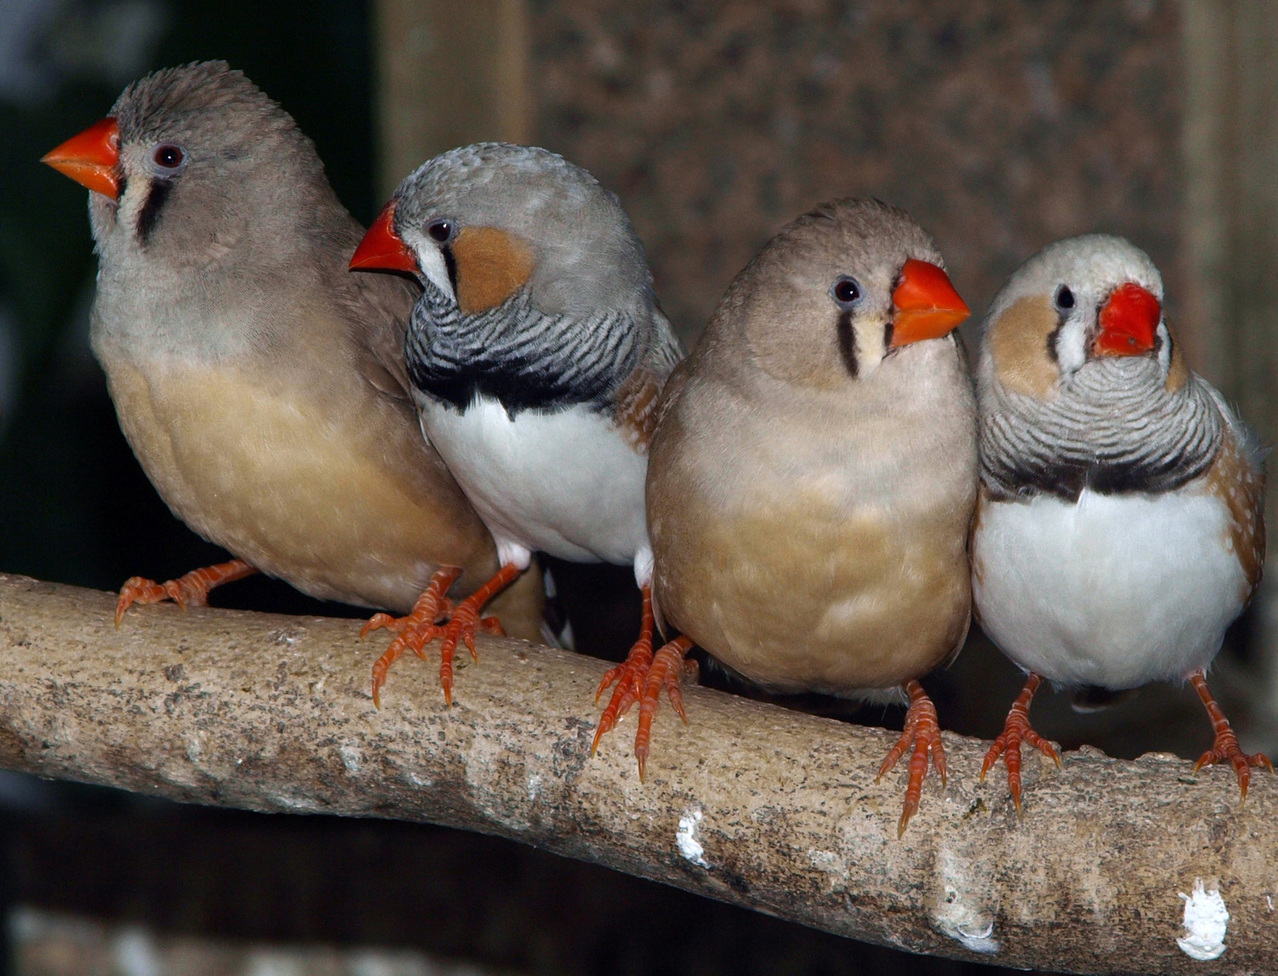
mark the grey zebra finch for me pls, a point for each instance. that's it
(536, 353)
(1120, 522)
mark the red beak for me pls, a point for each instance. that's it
(382, 249)
(926, 304)
(91, 159)
(1128, 322)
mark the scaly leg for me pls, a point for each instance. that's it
(629, 675)
(923, 731)
(1226, 746)
(667, 668)
(414, 630)
(1008, 744)
(191, 590)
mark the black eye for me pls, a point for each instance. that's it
(440, 230)
(1064, 298)
(168, 155)
(846, 292)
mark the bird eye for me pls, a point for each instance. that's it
(440, 230)
(846, 292)
(168, 156)
(1064, 298)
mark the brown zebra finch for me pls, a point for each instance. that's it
(813, 473)
(261, 386)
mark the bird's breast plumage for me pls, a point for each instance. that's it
(1112, 590)
(567, 482)
(1111, 427)
(864, 546)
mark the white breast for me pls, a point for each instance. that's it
(566, 483)
(1114, 591)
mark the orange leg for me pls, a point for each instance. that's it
(923, 731)
(191, 590)
(422, 625)
(667, 668)
(1016, 730)
(414, 630)
(1226, 746)
(629, 676)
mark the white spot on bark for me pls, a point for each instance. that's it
(958, 913)
(534, 787)
(824, 860)
(686, 838)
(1269, 900)
(1206, 919)
(351, 758)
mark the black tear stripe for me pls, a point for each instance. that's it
(450, 265)
(847, 343)
(150, 212)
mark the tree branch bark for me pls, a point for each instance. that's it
(749, 803)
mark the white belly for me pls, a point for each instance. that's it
(568, 483)
(1114, 591)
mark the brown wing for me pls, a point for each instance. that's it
(1237, 480)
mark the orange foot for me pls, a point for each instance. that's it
(923, 731)
(630, 675)
(191, 590)
(640, 678)
(423, 625)
(1008, 744)
(1226, 746)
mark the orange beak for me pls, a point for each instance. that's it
(382, 249)
(925, 303)
(91, 159)
(1128, 322)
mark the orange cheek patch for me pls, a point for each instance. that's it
(1018, 345)
(491, 266)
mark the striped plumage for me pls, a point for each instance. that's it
(1119, 529)
(1111, 428)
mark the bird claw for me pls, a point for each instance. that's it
(191, 590)
(923, 732)
(414, 631)
(629, 677)
(1008, 744)
(1227, 749)
(1226, 746)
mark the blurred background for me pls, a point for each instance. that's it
(1001, 126)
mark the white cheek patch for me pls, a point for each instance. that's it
(1071, 343)
(1164, 346)
(431, 261)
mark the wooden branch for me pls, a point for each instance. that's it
(750, 803)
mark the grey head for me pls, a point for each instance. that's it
(211, 171)
(1080, 383)
(817, 306)
(582, 252)
(536, 288)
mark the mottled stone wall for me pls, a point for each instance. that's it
(1001, 126)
